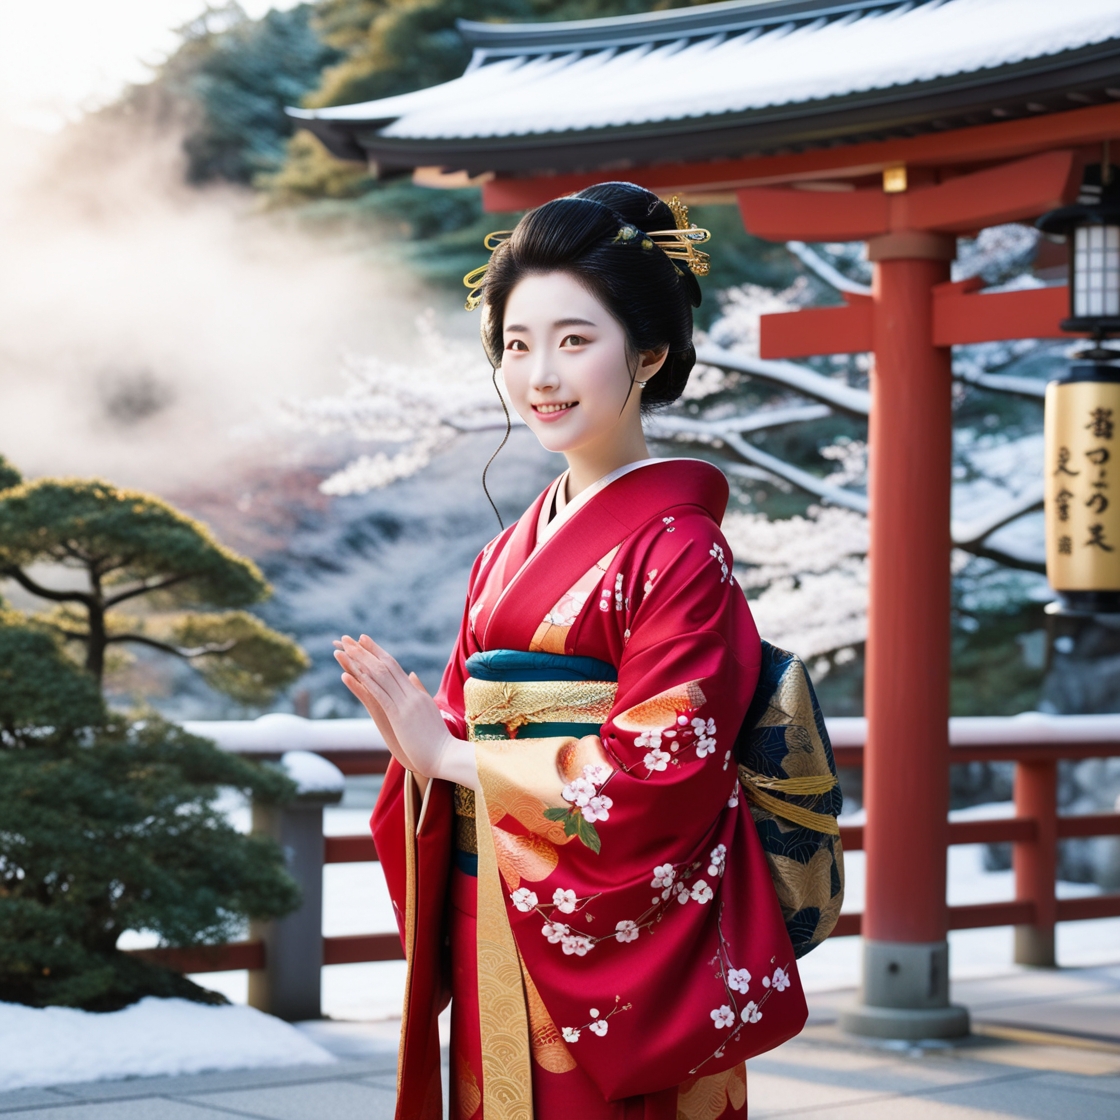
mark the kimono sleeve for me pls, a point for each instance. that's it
(657, 944)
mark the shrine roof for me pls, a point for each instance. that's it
(735, 79)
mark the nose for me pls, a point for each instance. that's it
(543, 376)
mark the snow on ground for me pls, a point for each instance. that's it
(55, 1045)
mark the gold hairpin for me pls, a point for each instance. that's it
(680, 243)
(475, 278)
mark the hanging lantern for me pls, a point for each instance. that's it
(1082, 425)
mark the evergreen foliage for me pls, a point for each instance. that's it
(240, 74)
(130, 546)
(115, 828)
(109, 824)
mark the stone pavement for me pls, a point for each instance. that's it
(1046, 1046)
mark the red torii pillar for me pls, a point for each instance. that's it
(913, 317)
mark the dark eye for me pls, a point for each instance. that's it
(573, 340)
(516, 344)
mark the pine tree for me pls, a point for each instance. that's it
(109, 823)
(132, 547)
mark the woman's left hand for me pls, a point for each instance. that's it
(419, 729)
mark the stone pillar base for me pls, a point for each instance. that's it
(905, 1023)
(905, 993)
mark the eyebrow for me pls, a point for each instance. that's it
(558, 323)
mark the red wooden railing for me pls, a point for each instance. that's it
(1034, 744)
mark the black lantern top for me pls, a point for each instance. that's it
(1092, 227)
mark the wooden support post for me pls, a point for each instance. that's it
(289, 985)
(905, 992)
(1036, 861)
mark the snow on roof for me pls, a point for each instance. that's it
(722, 59)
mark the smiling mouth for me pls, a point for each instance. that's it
(548, 409)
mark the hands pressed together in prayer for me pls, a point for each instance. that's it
(407, 717)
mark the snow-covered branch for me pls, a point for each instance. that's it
(829, 273)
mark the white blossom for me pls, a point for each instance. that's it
(701, 892)
(575, 944)
(751, 1013)
(682, 893)
(599, 1027)
(723, 1017)
(564, 901)
(733, 800)
(781, 980)
(625, 931)
(649, 738)
(554, 931)
(717, 857)
(705, 736)
(656, 759)
(738, 979)
(571, 1034)
(596, 773)
(579, 791)
(663, 875)
(524, 899)
(598, 808)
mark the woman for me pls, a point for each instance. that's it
(561, 829)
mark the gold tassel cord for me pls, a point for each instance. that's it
(755, 786)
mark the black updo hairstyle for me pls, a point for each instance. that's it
(651, 295)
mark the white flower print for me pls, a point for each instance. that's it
(596, 773)
(599, 1027)
(723, 1017)
(597, 809)
(650, 738)
(701, 892)
(555, 931)
(524, 899)
(738, 979)
(605, 599)
(618, 592)
(705, 736)
(650, 577)
(575, 944)
(726, 759)
(663, 875)
(579, 791)
(682, 893)
(571, 1034)
(669, 526)
(781, 980)
(717, 857)
(626, 931)
(716, 551)
(656, 759)
(564, 901)
(751, 1013)
(733, 800)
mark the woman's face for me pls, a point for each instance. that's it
(565, 364)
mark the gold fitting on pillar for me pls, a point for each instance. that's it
(894, 179)
(912, 244)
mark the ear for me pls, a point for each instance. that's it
(650, 361)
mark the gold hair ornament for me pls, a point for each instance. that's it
(680, 243)
(474, 279)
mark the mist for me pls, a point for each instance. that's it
(149, 329)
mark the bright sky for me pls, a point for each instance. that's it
(62, 56)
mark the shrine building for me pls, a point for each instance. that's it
(901, 124)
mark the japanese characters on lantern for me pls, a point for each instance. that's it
(1082, 452)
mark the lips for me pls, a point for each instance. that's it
(550, 412)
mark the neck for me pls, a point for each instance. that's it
(586, 465)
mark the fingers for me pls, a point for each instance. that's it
(379, 665)
(418, 683)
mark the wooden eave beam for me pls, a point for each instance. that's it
(1009, 192)
(962, 314)
(981, 144)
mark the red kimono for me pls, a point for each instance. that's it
(631, 951)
